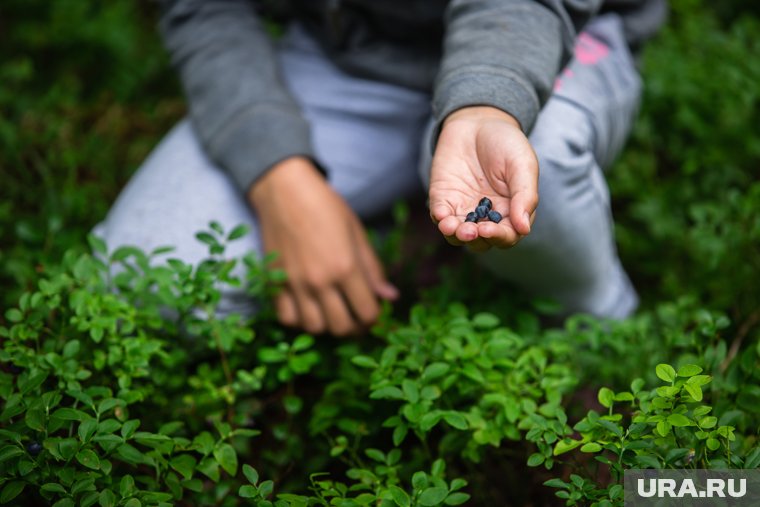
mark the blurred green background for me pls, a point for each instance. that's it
(86, 91)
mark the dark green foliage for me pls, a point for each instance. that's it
(120, 384)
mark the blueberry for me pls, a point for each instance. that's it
(494, 216)
(485, 202)
(471, 217)
(481, 211)
(34, 448)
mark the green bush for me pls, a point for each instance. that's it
(121, 383)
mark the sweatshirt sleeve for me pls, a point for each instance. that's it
(506, 54)
(244, 116)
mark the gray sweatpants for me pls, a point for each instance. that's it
(373, 138)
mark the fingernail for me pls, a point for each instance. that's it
(526, 216)
(390, 291)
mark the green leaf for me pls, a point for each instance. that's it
(434, 371)
(376, 455)
(637, 385)
(429, 420)
(611, 427)
(161, 250)
(71, 348)
(14, 315)
(387, 392)
(689, 370)
(302, 342)
(89, 499)
(25, 466)
(129, 454)
(457, 483)
(107, 498)
(438, 468)
(184, 464)
(206, 238)
(457, 498)
(535, 459)
(82, 485)
(204, 443)
(53, 487)
(679, 420)
(591, 447)
(606, 397)
(248, 492)
(35, 419)
(456, 420)
(399, 433)
(251, 474)
(663, 428)
(108, 404)
(265, 488)
(694, 391)
(88, 459)
(97, 244)
(419, 480)
(227, 457)
(128, 428)
(432, 496)
(566, 445)
(11, 491)
(292, 404)
(400, 496)
(70, 414)
(699, 380)
(411, 390)
(364, 362)
(557, 483)
(624, 396)
(87, 429)
(209, 468)
(713, 444)
(485, 320)
(708, 422)
(127, 486)
(68, 447)
(32, 382)
(238, 232)
(665, 372)
(193, 485)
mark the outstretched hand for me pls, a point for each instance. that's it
(482, 152)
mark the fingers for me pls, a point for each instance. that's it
(337, 315)
(317, 313)
(500, 235)
(524, 189)
(440, 210)
(372, 267)
(287, 312)
(363, 303)
(479, 236)
(311, 317)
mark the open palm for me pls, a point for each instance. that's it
(482, 152)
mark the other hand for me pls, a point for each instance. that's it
(334, 279)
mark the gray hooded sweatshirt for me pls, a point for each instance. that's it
(500, 53)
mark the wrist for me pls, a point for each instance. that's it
(481, 113)
(283, 175)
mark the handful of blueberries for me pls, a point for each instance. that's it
(484, 212)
